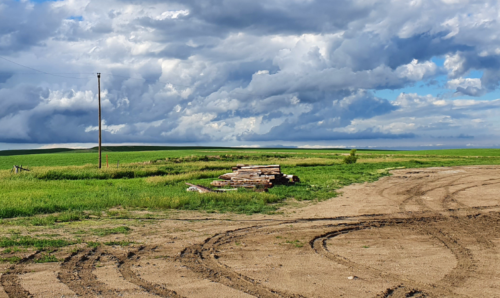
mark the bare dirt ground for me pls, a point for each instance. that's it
(420, 233)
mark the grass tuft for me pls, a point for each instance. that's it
(27, 241)
(46, 258)
(11, 260)
(110, 231)
(118, 243)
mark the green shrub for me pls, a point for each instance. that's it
(351, 158)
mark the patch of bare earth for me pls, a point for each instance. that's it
(419, 233)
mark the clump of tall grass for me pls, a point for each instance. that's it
(63, 217)
(174, 179)
(92, 174)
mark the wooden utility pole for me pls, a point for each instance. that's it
(99, 92)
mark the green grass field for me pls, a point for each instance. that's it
(68, 181)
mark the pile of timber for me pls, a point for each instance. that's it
(248, 176)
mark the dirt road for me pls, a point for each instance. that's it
(419, 233)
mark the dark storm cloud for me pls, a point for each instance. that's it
(20, 98)
(22, 26)
(278, 17)
(284, 133)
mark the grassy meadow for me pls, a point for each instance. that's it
(67, 182)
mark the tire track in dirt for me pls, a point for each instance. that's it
(401, 291)
(416, 192)
(125, 267)
(449, 198)
(10, 278)
(440, 288)
(464, 224)
(201, 259)
(76, 273)
(465, 261)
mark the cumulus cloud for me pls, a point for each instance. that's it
(466, 86)
(245, 72)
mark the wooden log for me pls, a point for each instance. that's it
(227, 176)
(219, 183)
(247, 174)
(264, 172)
(251, 180)
(246, 177)
(253, 185)
(249, 170)
(260, 167)
(235, 183)
(255, 172)
(200, 188)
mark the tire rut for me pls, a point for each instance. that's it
(125, 267)
(462, 271)
(202, 259)
(76, 273)
(10, 278)
(402, 291)
(416, 192)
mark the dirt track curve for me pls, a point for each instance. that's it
(420, 233)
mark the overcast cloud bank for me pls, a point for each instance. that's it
(250, 72)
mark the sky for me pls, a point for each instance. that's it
(297, 73)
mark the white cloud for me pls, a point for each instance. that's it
(464, 83)
(113, 129)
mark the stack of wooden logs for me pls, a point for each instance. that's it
(248, 176)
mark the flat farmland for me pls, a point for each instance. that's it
(394, 224)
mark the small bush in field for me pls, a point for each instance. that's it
(351, 158)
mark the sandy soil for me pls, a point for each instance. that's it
(419, 233)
